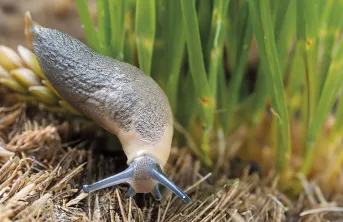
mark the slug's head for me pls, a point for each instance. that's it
(143, 174)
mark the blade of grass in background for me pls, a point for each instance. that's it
(331, 73)
(284, 33)
(307, 44)
(117, 17)
(262, 25)
(295, 80)
(222, 103)
(197, 67)
(204, 21)
(216, 42)
(238, 74)
(88, 24)
(145, 30)
(187, 114)
(308, 33)
(331, 87)
(338, 125)
(158, 66)
(261, 91)
(130, 36)
(104, 26)
(330, 36)
(333, 82)
(174, 50)
(215, 51)
(260, 94)
(240, 50)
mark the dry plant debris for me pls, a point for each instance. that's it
(41, 176)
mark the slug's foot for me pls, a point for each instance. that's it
(143, 175)
(130, 192)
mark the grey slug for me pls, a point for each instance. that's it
(119, 97)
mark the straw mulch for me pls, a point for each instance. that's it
(42, 169)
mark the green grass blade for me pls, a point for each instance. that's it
(87, 22)
(338, 125)
(241, 48)
(330, 36)
(117, 18)
(145, 30)
(332, 85)
(104, 25)
(186, 113)
(159, 62)
(296, 75)
(236, 80)
(261, 88)
(284, 33)
(204, 21)
(130, 36)
(198, 71)
(222, 104)
(236, 30)
(266, 43)
(308, 42)
(282, 7)
(261, 92)
(174, 50)
(216, 42)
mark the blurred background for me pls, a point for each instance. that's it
(58, 14)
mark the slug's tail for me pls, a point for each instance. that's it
(29, 24)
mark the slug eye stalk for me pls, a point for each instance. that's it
(143, 175)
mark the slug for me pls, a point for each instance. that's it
(120, 98)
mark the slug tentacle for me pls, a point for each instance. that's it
(156, 192)
(160, 177)
(123, 177)
(130, 192)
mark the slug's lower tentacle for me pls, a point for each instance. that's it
(130, 192)
(156, 192)
(123, 177)
(161, 178)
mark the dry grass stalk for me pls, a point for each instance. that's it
(32, 139)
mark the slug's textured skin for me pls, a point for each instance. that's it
(119, 96)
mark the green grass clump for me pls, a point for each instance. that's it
(198, 51)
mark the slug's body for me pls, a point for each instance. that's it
(119, 97)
